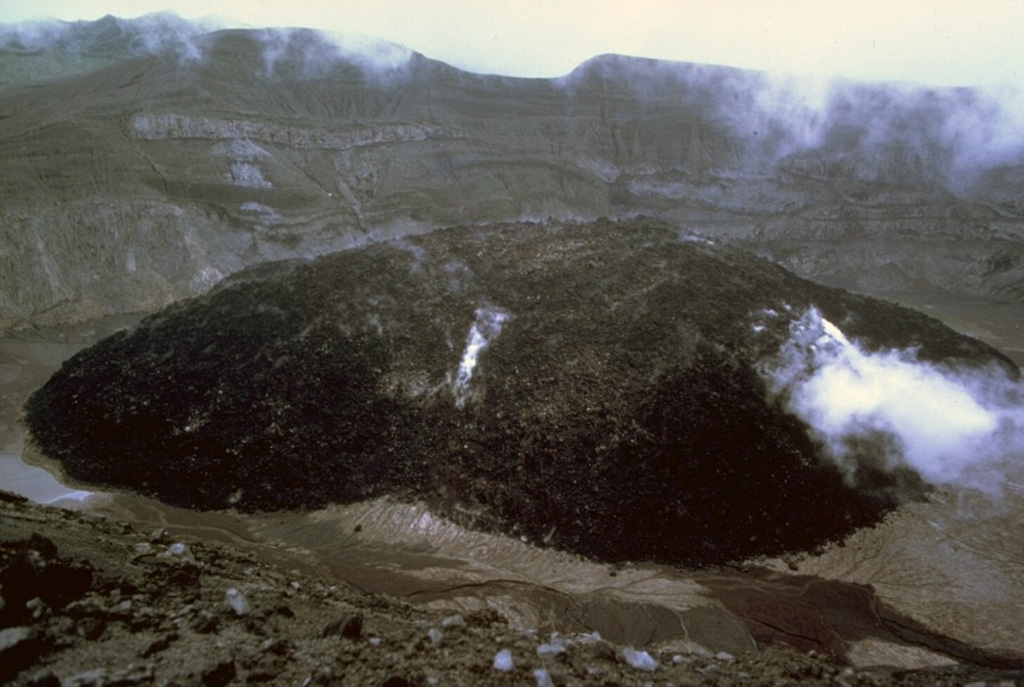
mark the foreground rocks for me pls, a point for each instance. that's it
(91, 601)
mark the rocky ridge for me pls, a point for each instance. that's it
(166, 164)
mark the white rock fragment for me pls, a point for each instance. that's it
(453, 621)
(237, 602)
(435, 635)
(180, 551)
(36, 607)
(503, 662)
(725, 656)
(552, 648)
(641, 660)
(543, 678)
(11, 637)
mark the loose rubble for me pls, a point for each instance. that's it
(88, 602)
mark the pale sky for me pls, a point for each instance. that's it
(938, 42)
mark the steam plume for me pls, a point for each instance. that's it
(315, 53)
(487, 326)
(888, 410)
(151, 34)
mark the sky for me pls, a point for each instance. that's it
(934, 42)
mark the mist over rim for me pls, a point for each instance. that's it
(982, 123)
(945, 43)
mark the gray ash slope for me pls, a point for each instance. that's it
(165, 157)
(615, 408)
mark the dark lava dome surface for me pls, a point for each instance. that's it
(590, 387)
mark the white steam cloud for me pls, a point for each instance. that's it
(315, 53)
(311, 52)
(888, 410)
(152, 34)
(161, 33)
(485, 329)
(951, 133)
(812, 125)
